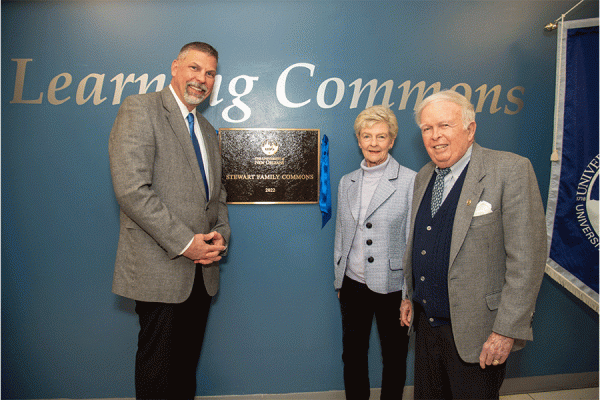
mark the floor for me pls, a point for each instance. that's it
(575, 394)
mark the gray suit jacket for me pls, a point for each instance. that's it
(159, 188)
(388, 214)
(496, 260)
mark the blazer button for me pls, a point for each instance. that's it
(369, 225)
(370, 259)
(369, 242)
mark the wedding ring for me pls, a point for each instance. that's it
(495, 362)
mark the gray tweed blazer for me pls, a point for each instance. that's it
(497, 260)
(159, 188)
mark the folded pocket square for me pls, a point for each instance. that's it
(483, 207)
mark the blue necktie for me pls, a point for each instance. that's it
(438, 190)
(190, 119)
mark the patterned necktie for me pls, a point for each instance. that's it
(190, 119)
(438, 190)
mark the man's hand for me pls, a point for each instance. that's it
(405, 312)
(495, 350)
(205, 249)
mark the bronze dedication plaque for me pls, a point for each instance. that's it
(267, 166)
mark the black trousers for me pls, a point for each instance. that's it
(169, 345)
(440, 373)
(359, 304)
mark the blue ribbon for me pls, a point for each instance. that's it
(325, 184)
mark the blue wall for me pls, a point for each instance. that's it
(275, 325)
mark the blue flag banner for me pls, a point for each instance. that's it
(325, 184)
(572, 215)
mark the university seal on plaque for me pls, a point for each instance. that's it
(267, 166)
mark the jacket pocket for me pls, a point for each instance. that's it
(395, 264)
(486, 219)
(493, 300)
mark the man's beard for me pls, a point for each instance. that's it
(193, 98)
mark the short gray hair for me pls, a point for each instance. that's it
(373, 115)
(468, 111)
(198, 46)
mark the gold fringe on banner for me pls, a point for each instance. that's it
(560, 275)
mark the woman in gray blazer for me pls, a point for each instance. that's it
(370, 238)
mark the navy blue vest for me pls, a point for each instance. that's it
(431, 253)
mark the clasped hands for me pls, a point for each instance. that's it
(206, 248)
(495, 350)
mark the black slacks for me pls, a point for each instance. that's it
(359, 304)
(440, 373)
(169, 345)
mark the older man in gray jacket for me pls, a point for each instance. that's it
(475, 257)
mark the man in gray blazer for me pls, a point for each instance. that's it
(475, 256)
(166, 170)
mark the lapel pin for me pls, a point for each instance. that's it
(469, 202)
